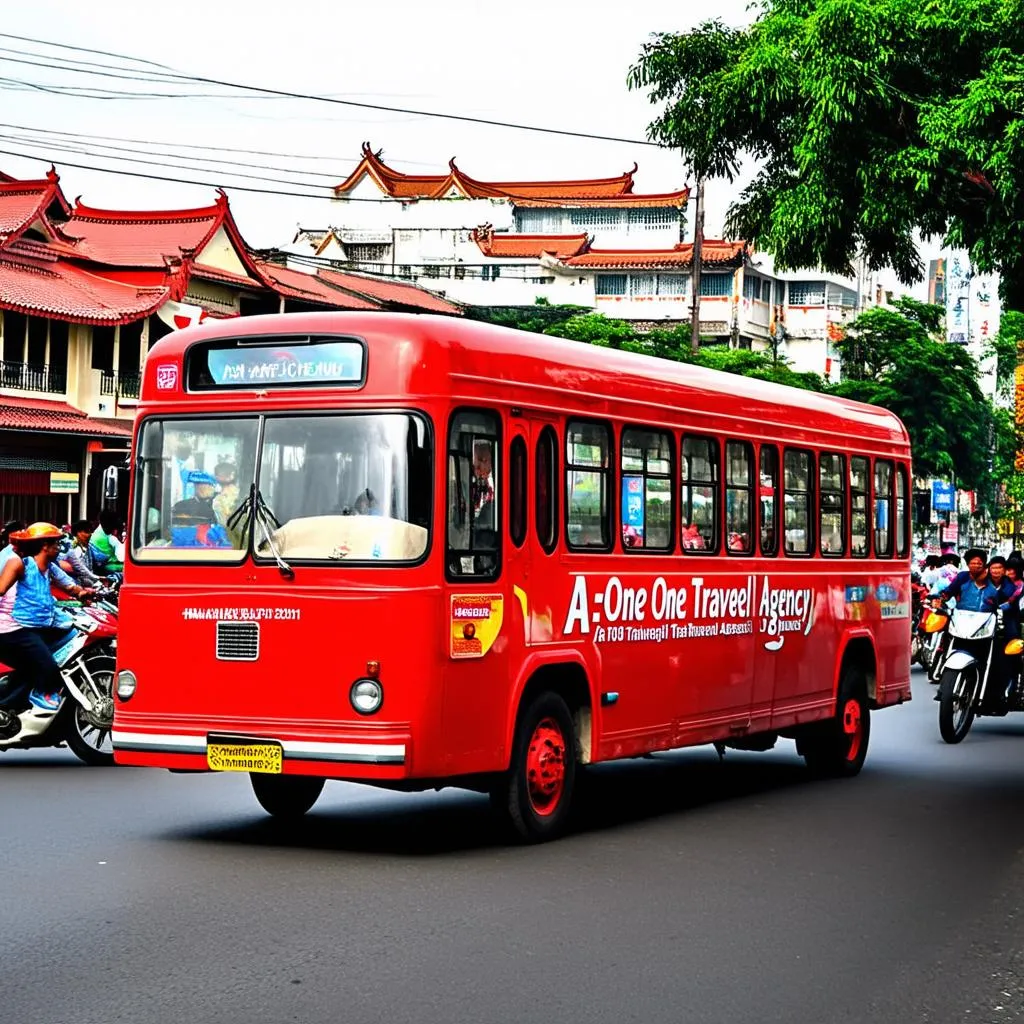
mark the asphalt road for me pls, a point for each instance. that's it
(692, 891)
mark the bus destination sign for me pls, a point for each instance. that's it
(321, 362)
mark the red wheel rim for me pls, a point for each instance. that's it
(853, 726)
(545, 767)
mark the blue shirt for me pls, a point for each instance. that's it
(33, 603)
(972, 598)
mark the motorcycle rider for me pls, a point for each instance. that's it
(79, 558)
(31, 624)
(972, 590)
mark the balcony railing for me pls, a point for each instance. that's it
(120, 385)
(33, 377)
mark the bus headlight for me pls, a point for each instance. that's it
(126, 684)
(366, 696)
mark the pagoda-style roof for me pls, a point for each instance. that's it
(38, 282)
(508, 246)
(715, 253)
(617, 190)
(24, 204)
(394, 295)
(296, 284)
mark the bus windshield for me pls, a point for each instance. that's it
(352, 487)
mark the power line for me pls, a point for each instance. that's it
(179, 181)
(83, 49)
(288, 94)
(68, 139)
(67, 147)
(206, 148)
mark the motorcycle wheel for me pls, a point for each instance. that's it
(956, 703)
(89, 740)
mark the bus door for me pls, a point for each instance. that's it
(479, 596)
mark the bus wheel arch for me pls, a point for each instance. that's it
(859, 655)
(568, 679)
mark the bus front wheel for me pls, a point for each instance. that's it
(286, 796)
(535, 795)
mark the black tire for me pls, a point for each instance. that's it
(535, 795)
(287, 797)
(838, 747)
(89, 738)
(956, 703)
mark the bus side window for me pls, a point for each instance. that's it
(769, 499)
(739, 492)
(546, 490)
(473, 495)
(587, 485)
(902, 514)
(646, 483)
(517, 491)
(883, 508)
(698, 513)
(798, 501)
(832, 509)
(859, 470)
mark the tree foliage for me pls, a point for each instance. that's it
(868, 120)
(894, 358)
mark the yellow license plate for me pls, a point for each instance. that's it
(263, 758)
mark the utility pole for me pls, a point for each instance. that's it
(698, 252)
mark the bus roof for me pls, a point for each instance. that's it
(438, 354)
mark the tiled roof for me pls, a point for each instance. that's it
(294, 284)
(53, 287)
(24, 202)
(659, 200)
(120, 238)
(714, 253)
(37, 414)
(391, 293)
(528, 246)
(435, 186)
(204, 270)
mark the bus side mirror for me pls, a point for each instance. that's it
(110, 484)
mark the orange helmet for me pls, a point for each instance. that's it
(38, 531)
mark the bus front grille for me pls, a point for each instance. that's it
(238, 641)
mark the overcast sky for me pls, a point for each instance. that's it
(555, 63)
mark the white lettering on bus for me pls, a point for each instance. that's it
(712, 610)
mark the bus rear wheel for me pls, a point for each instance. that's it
(839, 746)
(535, 795)
(286, 796)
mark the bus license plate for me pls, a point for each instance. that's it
(262, 758)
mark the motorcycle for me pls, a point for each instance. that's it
(85, 716)
(934, 640)
(979, 661)
(918, 596)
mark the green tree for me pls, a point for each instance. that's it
(868, 121)
(894, 358)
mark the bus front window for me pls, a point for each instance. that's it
(192, 476)
(353, 487)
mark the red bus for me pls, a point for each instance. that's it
(416, 551)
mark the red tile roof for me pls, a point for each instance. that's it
(294, 284)
(392, 293)
(659, 200)
(120, 238)
(715, 252)
(22, 203)
(435, 186)
(49, 286)
(36, 414)
(528, 246)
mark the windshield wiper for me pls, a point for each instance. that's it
(255, 510)
(267, 519)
